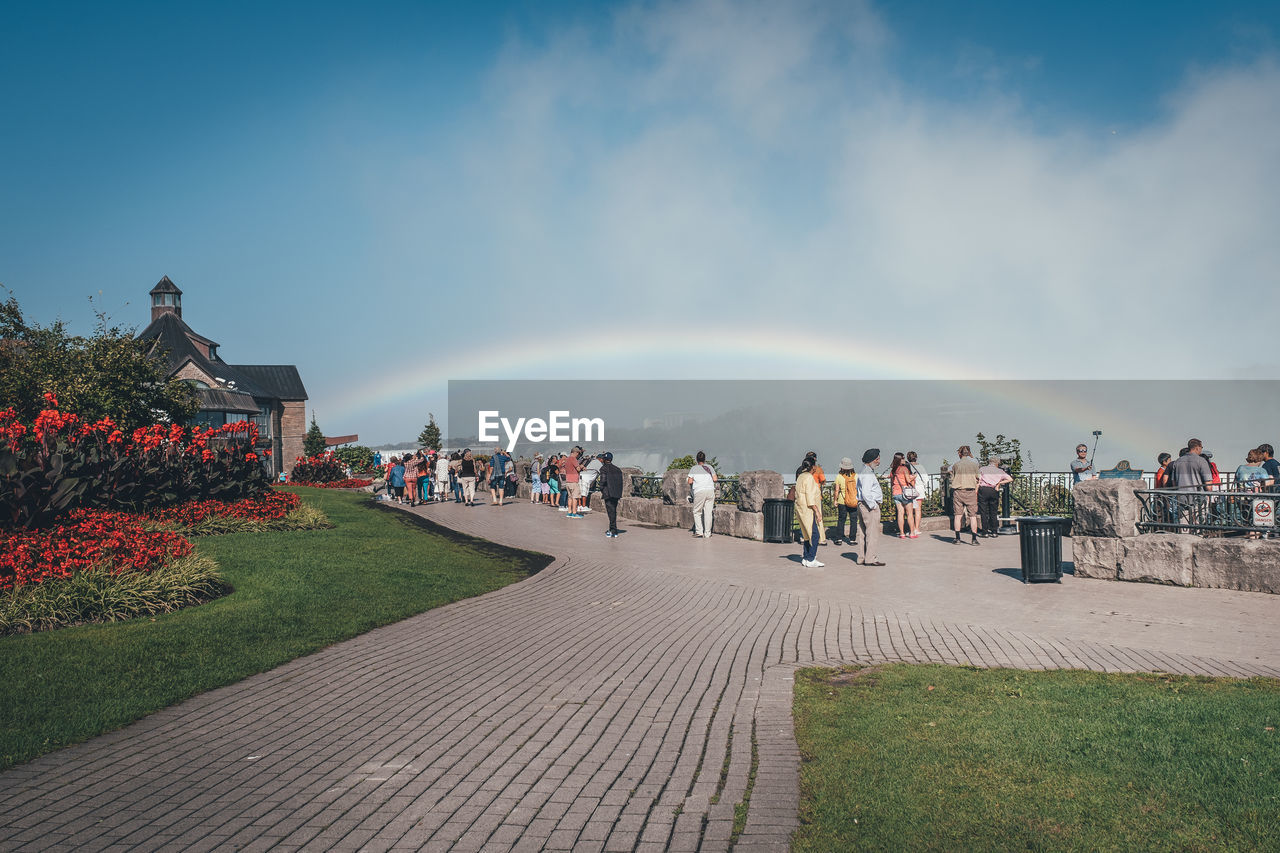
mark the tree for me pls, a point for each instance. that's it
(430, 435)
(359, 457)
(108, 374)
(313, 443)
(681, 463)
(1009, 450)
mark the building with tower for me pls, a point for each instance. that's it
(272, 395)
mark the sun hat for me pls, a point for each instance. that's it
(845, 463)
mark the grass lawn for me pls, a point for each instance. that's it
(295, 592)
(905, 757)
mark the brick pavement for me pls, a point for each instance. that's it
(625, 698)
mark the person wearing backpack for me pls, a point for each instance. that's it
(846, 500)
(702, 483)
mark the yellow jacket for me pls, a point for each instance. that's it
(808, 495)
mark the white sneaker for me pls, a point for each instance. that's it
(818, 565)
(585, 509)
(563, 508)
(806, 564)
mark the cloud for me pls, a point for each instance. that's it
(759, 165)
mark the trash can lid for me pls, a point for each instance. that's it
(1042, 518)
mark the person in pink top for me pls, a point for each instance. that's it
(990, 478)
(569, 468)
(902, 479)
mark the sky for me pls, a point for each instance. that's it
(394, 195)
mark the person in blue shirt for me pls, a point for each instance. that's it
(396, 479)
(499, 463)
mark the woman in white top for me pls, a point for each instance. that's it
(702, 483)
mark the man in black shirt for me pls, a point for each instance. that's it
(611, 489)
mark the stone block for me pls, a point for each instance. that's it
(1106, 508)
(749, 525)
(755, 486)
(1097, 556)
(632, 507)
(724, 521)
(628, 488)
(1158, 558)
(1250, 565)
(675, 486)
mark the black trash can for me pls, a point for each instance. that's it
(778, 515)
(1040, 539)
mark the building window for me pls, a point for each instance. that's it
(209, 419)
(263, 420)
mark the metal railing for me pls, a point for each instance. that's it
(1207, 511)
(651, 487)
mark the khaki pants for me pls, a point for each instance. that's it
(869, 521)
(704, 504)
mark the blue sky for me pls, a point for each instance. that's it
(394, 195)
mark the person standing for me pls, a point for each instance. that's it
(535, 478)
(870, 496)
(964, 493)
(916, 507)
(411, 478)
(611, 489)
(1081, 466)
(990, 478)
(702, 483)
(808, 508)
(498, 476)
(820, 478)
(395, 479)
(846, 501)
(571, 481)
(467, 477)
(442, 475)
(1270, 462)
(590, 473)
(902, 488)
(1191, 470)
(1162, 473)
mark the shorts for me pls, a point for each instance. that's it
(962, 500)
(574, 489)
(902, 499)
(587, 483)
(554, 486)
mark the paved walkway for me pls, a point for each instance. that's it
(628, 697)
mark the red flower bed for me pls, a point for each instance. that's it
(111, 541)
(352, 483)
(266, 507)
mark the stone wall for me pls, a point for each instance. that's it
(1105, 543)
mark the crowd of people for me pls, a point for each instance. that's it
(563, 481)
(1195, 469)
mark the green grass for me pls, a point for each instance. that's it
(294, 592)
(1006, 759)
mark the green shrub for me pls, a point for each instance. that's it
(102, 597)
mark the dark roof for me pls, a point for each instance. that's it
(218, 400)
(337, 440)
(266, 381)
(278, 380)
(164, 285)
(175, 336)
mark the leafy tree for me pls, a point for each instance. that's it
(359, 457)
(1009, 450)
(683, 462)
(313, 442)
(108, 374)
(430, 435)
